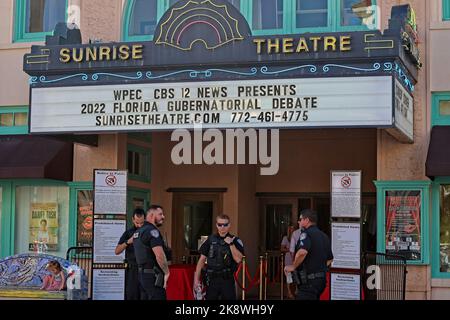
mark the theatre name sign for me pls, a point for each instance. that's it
(229, 80)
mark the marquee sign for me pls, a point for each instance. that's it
(205, 66)
(281, 103)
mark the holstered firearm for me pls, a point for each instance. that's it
(159, 278)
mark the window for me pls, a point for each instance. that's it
(138, 163)
(446, 10)
(13, 120)
(444, 226)
(356, 13)
(311, 14)
(34, 19)
(267, 14)
(440, 108)
(141, 18)
(41, 218)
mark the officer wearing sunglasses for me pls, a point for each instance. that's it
(222, 253)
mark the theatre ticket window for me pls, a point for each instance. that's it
(42, 219)
(267, 14)
(34, 19)
(444, 226)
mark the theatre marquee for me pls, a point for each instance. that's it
(276, 103)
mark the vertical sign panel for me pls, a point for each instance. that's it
(346, 194)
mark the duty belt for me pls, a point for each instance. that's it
(219, 273)
(145, 270)
(318, 275)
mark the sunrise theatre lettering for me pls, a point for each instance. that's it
(303, 44)
(311, 80)
(121, 52)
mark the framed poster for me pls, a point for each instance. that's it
(110, 193)
(403, 219)
(108, 284)
(345, 286)
(346, 245)
(346, 194)
(107, 233)
(43, 234)
(403, 227)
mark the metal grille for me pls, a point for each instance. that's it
(82, 256)
(384, 276)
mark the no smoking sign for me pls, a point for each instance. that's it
(346, 182)
(111, 180)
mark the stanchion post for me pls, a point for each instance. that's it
(243, 277)
(281, 274)
(265, 278)
(260, 277)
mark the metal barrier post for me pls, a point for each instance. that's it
(281, 275)
(265, 278)
(260, 277)
(243, 277)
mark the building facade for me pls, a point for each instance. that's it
(384, 53)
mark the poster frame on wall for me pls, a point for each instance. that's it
(405, 186)
(345, 185)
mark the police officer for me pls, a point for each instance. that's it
(312, 258)
(151, 256)
(222, 252)
(132, 291)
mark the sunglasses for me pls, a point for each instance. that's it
(223, 224)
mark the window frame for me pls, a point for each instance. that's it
(246, 9)
(436, 226)
(14, 129)
(148, 164)
(161, 7)
(445, 10)
(20, 34)
(436, 118)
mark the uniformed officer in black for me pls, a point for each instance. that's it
(312, 258)
(151, 258)
(222, 252)
(132, 290)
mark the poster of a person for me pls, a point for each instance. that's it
(44, 227)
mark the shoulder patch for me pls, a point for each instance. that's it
(303, 236)
(154, 233)
(240, 242)
(135, 235)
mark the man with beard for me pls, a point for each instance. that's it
(151, 257)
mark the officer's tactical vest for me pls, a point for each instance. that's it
(219, 255)
(144, 254)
